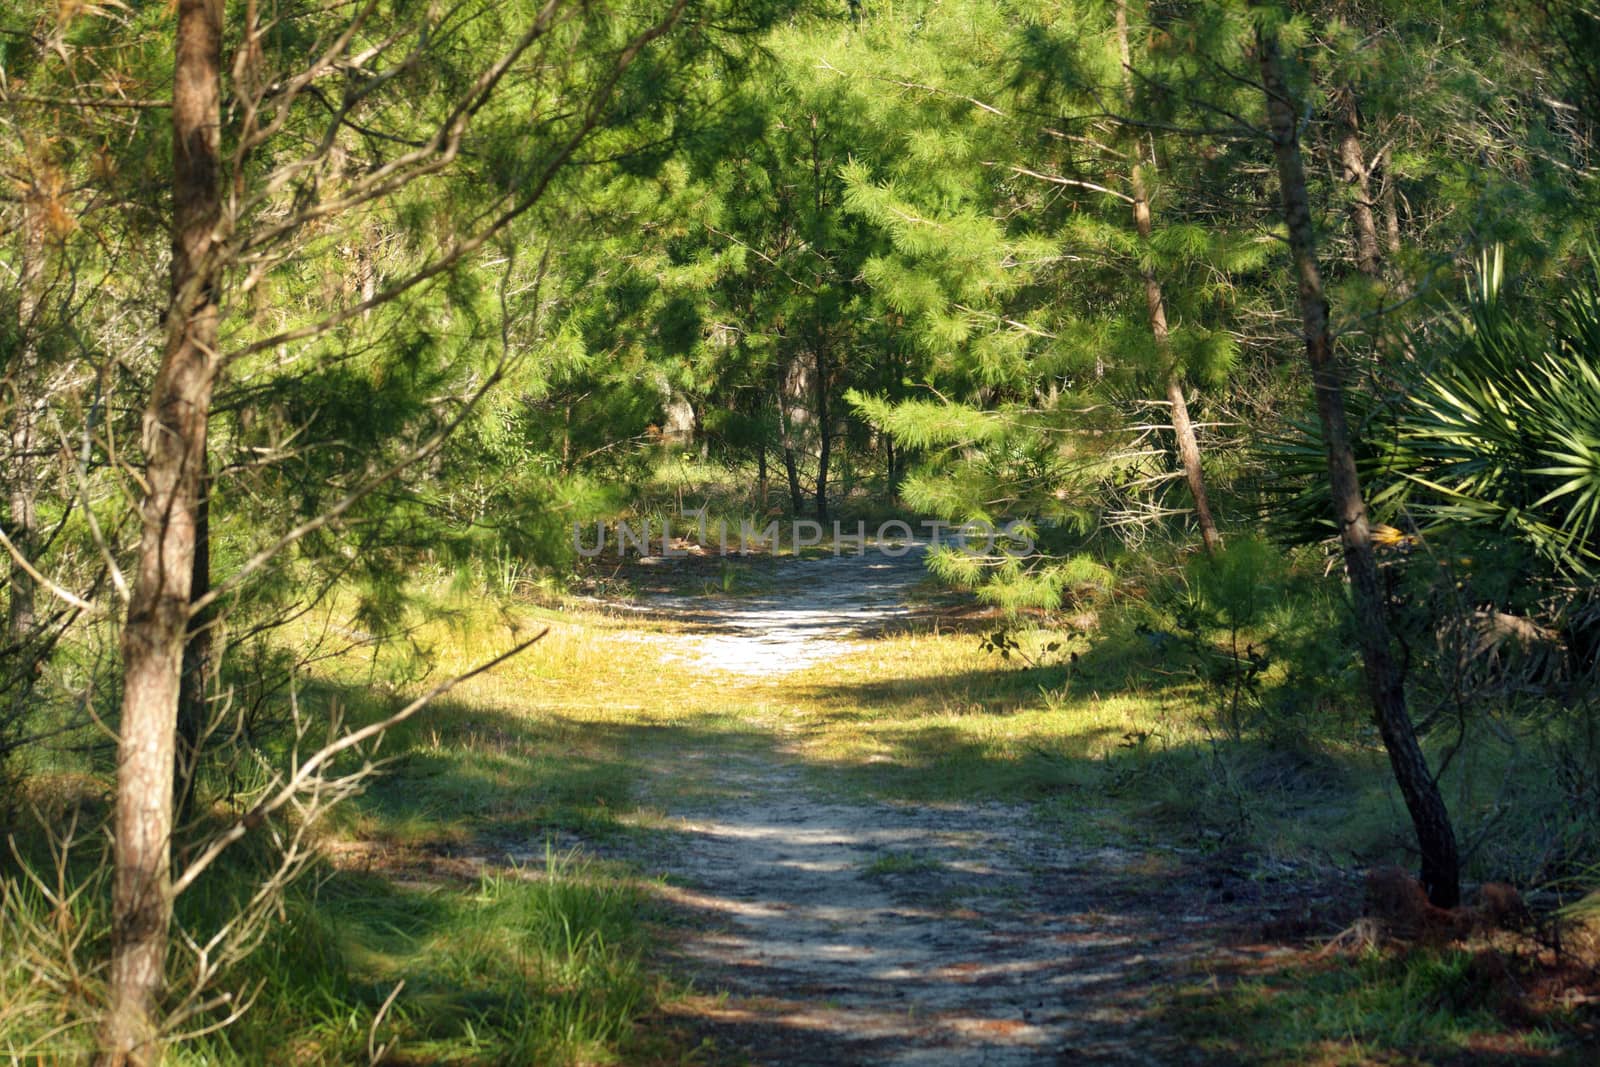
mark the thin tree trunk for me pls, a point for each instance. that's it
(1391, 210)
(1353, 167)
(895, 458)
(158, 609)
(796, 497)
(823, 430)
(1385, 679)
(1357, 177)
(1189, 451)
(1182, 427)
(1399, 284)
(23, 527)
(792, 415)
(566, 438)
(198, 656)
(23, 516)
(22, 473)
(761, 469)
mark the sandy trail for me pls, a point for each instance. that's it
(870, 933)
(813, 611)
(849, 932)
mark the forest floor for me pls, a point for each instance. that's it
(797, 811)
(837, 929)
(780, 811)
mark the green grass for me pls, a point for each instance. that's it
(1423, 1006)
(537, 964)
(570, 743)
(500, 963)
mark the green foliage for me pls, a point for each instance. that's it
(539, 964)
(1504, 433)
(1495, 437)
(1432, 1004)
(1225, 596)
(1011, 579)
(895, 234)
(924, 424)
(1236, 585)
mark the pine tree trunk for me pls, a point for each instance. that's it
(1385, 681)
(193, 709)
(1182, 427)
(1391, 208)
(158, 610)
(1189, 455)
(797, 499)
(22, 525)
(1353, 167)
(566, 438)
(819, 241)
(22, 528)
(793, 393)
(761, 470)
(823, 429)
(1399, 284)
(1357, 177)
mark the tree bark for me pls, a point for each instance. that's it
(891, 475)
(1391, 210)
(823, 430)
(1357, 177)
(158, 608)
(1385, 680)
(198, 658)
(1353, 168)
(22, 516)
(1399, 284)
(1155, 305)
(796, 498)
(818, 241)
(794, 390)
(22, 476)
(23, 527)
(761, 469)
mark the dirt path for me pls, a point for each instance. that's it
(865, 933)
(809, 612)
(849, 932)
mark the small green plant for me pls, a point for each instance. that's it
(1004, 643)
(1224, 595)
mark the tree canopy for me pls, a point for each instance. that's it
(303, 299)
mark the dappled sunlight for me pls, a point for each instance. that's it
(893, 847)
(814, 611)
(651, 533)
(809, 929)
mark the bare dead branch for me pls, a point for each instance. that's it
(307, 772)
